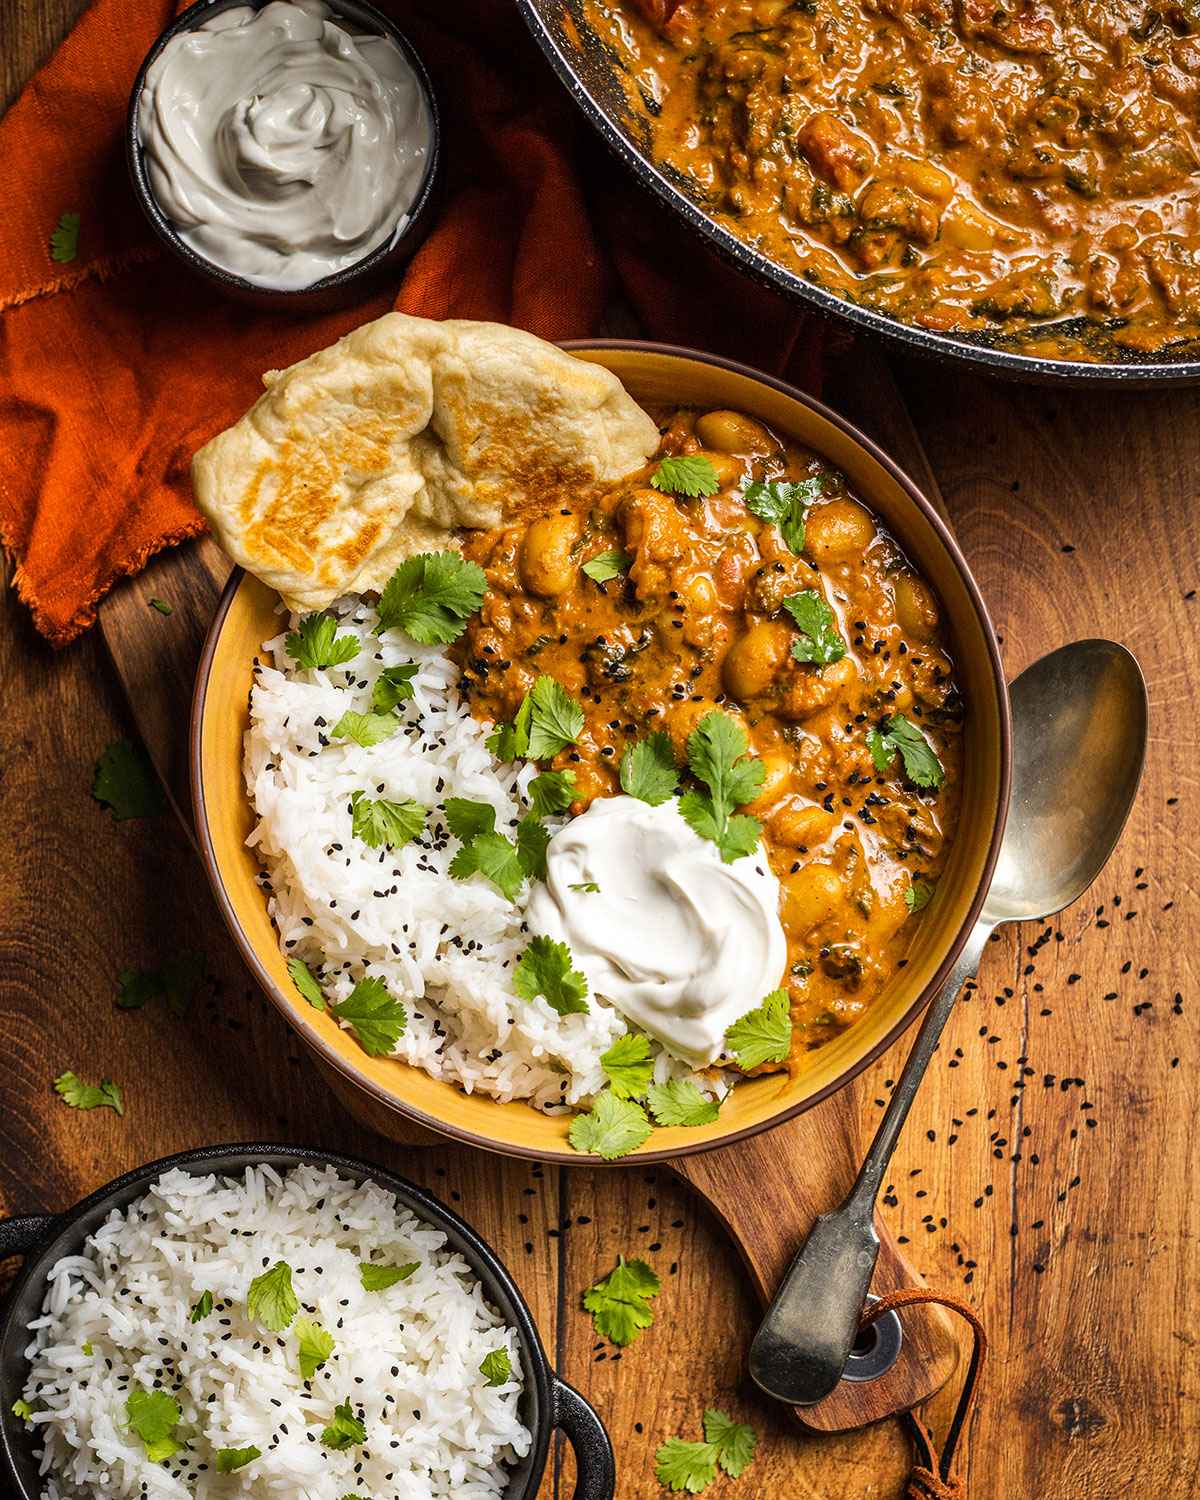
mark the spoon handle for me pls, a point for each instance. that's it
(803, 1343)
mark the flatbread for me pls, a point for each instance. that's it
(394, 438)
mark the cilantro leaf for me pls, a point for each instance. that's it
(21, 1409)
(496, 1367)
(271, 1299)
(819, 638)
(764, 1034)
(231, 1459)
(681, 1465)
(555, 721)
(533, 839)
(619, 1303)
(680, 1102)
(919, 895)
(628, 1065)
(545, 969)
(316, 643)
(921, 765)
(378, 1020)
(734, 1441)
(613, 1127)
(552, 792)
(648, 769)
(784, 503)
(174, 983)
(379, 1278)
(716, 751)
(126, 783)
(80, 1095)
(345, 1431)
(466, 819)
(511, 741)
(585, 885)
(201, 1308)
(154, 1415)
(688, 474)
(64, 239)
(494, 857)
(606, 566)
(161, 606)
(739, 836)
(365, 729)
(382, 822)
(308, 987)
(393, 686)
(314, 1345)
(431, 596)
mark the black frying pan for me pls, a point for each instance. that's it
(547, 1402)
(592, 76)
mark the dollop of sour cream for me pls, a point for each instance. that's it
(281, 147)
(681, 944)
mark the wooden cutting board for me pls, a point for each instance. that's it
(766, 1191)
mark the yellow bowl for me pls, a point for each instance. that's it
(387, 1093)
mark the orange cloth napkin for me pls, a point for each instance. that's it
(117, 366)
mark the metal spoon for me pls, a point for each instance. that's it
(1079, 739)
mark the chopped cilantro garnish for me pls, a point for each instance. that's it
(585, 885)
(784, 503)
(126, 783)
(316, 643)
(431, 596)
(80, 1095)
(921, 765)
(680, 1102)
(716, 751)
(613, 1127)
(161, 606)
(628, 1065)
(494, 857)
(365, 729)
(393, 686)
(485, 852)
(688, 474)
(380, 822)
(64, 239)
(734, 1441)
(303, 979)
(314, 1345)
(466, 819)
(154, 1415)
(174, 983)
(648, 769)
(763, 1034)
(552, 792)
(496, 1367)
(606, 566)
(682, 1465)
(819, 638)
(545, 969)
(919, 895)
(271, 1299)
(231, 1459)
(345, 1431)
(21, 1409)
(556, 719)
(620, 1302)
(533, 839)
(201, 1308)
(379, 1278)
(511, 741)
(377, 1020)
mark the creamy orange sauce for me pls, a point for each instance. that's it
(694, 622)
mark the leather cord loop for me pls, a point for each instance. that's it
(933, 1476)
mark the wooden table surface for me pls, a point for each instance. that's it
(1048, 1172)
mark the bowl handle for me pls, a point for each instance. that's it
(20, 1236)
(596, 1470)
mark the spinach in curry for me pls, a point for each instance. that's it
(1020, 168)
(653, 608)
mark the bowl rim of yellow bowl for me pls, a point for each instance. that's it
(393, 1101)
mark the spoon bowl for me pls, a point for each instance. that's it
(1079, 730)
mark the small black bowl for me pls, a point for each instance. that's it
(347, 285)
(546, 1403)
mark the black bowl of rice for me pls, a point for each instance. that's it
(248, 1320)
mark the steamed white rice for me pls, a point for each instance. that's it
(445, 947)
(407, 1358)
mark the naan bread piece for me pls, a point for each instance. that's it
(394, 438)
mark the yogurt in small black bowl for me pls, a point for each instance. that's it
(286, 152)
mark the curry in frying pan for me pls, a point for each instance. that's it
(1023, 169)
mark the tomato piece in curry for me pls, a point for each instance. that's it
(1026, 170)
(695, 620)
